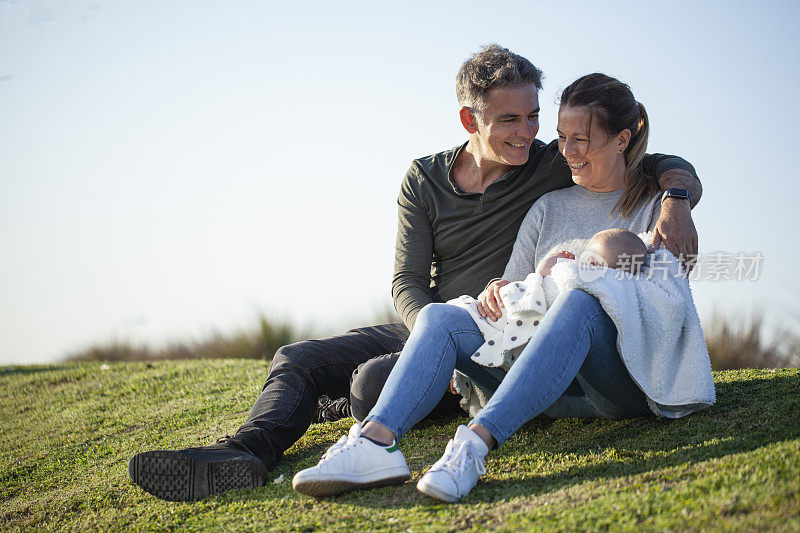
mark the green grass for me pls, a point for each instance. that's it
(68, 431)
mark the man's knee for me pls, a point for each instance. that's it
(367, 383)
(291, 353)
(291, 358)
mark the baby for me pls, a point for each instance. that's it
(526, 301)
(614, 248)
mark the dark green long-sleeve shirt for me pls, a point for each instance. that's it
(451, 243)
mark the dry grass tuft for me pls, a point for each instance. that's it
(260, 343)
(740, 343)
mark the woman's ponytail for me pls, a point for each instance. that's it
(639, 188)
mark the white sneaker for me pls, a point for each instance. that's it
(354, 462)
(453, 476)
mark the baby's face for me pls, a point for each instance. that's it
(594, 256)
(610, 254)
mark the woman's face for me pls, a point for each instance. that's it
(594, 157)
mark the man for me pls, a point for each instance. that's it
(459, 213)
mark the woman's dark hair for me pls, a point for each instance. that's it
(612, 105)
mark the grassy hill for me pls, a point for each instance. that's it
(68, 431)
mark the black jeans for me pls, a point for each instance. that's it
(302, 372)
(369, 379)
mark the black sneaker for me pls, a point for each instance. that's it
(329, 410)
(196, 473)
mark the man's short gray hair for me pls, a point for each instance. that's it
(494, 66)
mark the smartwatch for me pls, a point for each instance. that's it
(676, 193)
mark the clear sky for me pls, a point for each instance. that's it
(171, 168)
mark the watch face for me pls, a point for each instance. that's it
(678, 193)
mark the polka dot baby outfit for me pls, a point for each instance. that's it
(525, 305)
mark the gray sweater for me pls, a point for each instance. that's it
(567, 214)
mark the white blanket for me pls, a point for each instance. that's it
(658, 330)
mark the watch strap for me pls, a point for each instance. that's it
(675, 192)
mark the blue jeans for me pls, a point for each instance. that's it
(575, 341)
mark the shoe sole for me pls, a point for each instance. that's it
(173, 476)
(331, 487)
(435, 493)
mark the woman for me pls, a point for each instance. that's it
(603, 134)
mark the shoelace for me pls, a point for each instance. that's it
(456, 458)
(336, 448)
(322, 404)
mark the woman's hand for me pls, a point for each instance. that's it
(491, 304)
(546, 265)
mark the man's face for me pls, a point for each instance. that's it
(508, 124)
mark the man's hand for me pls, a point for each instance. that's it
(491, 304)
(675, 230)
(546, 265)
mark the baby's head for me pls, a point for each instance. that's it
(616, 248)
